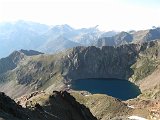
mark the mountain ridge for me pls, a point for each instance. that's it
(136, 37)
(31, 35)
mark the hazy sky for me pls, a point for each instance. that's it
(108, 14)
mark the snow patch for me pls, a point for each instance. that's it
(130, 106)
(86, 95)
(136, 118)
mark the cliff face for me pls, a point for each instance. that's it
(107, 62)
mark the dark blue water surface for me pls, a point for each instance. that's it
(122, 89)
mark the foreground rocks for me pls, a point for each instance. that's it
(41, 106)
(152, 106)
(83, 106)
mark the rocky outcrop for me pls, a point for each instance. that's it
(10, 110)
(58, 106)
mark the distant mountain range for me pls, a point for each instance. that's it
(51, 39)
(137, 37)
(44, 38)
(21, 35)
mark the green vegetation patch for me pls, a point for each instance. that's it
(143, 68)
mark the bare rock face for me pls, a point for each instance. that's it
(58, 106)
(107, 62)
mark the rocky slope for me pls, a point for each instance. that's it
(103, 107)
(14, 59)
(63, 106)
(41, 106)
(146, 70)
(150, 106)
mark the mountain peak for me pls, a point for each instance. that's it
(64, 28)
(30, 52)
(124, 36)
(22, 53)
